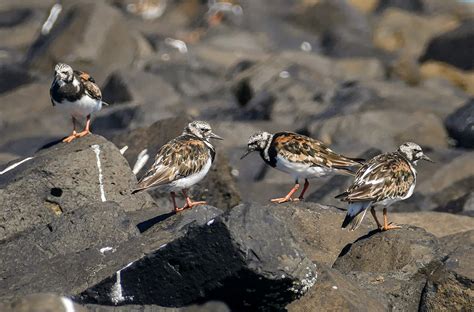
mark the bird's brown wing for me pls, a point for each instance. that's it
(302, 149)
(177, 159)
(383, 177)
(89, 84)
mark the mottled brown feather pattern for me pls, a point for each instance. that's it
(302, 149)
(177, 159)
(89, 85)
(387, 176)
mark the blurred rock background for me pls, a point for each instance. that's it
(361, 75)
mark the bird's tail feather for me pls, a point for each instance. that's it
(355, 215)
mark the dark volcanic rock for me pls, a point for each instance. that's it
(460, 125)
(385, 132)
(95, 51)
(115, 118)
(454, 47)
(317, 229)
(408, 5)
(406, 250)
(153, 96)
(74, 272)
(63, 178)
(213, 306)
(22, 134)
(12, 76)
(449, 287)
(392, 266)
(71, 232)
(335, 292)
(14, 17)
(457, 198)
(230, 258)
(259, 107)
(219, 187)
(343, 29)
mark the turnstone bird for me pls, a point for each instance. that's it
(182, 162)
(76, 93)
(301, 157)
(382, 180)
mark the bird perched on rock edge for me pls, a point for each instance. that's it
(181, 163)
(76, 93)
(382, 180)
(300, 156)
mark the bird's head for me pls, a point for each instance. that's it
(257, 142)
(63, 72)
(201, 129)
(412, 152)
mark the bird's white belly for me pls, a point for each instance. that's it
(189, 181)
(301, 171)
(80, 108)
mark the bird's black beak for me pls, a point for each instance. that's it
(215, 136)
(246, 154)
(424, 157)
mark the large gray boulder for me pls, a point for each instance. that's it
(60, 179)
(73, 270)
(317, 229)
(392, 266)
(449, 287)
(230, 258)
(335, 292)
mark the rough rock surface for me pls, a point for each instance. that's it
(392, 265)
(67, 278)
(317, 228)
(449, 287)
(437, 223)
(240, 256)
(62, 178)
(212, 306)
(335, 292)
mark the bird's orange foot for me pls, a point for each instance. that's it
(390, 226)
(282, 200)
(190, 205)
(70, 138)
(83, 133)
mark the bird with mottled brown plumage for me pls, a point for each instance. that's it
(300, 156)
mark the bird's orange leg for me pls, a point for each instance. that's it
(388, 226)
(288, 196)
(189, 203)
(86, 129)
(74, 133)
(374, 214)
(305, 187)
(173, 199)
